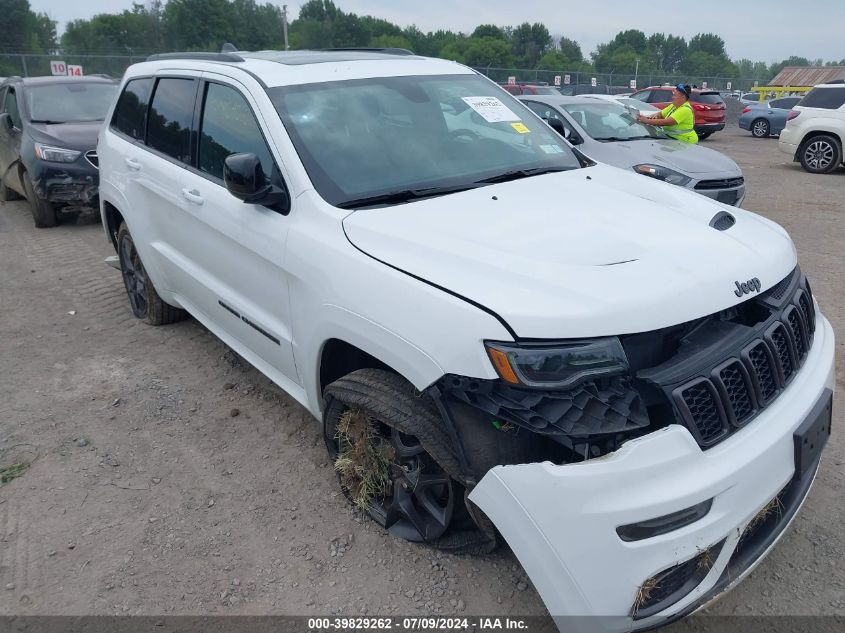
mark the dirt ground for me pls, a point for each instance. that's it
(168, 477)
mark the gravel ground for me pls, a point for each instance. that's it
(168, 477)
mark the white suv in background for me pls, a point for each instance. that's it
(815, 129)
(628, 382)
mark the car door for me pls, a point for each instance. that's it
(660, 98)
(153, 174)
(778, 111)
(238, 249)
(10, 140)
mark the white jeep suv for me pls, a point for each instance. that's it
(815, 129)
(629, 383)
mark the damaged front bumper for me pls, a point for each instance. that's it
(562, 521)
(73, 184)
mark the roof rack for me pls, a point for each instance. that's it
(211, 57)
(366, 49)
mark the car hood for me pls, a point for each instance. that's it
(589, 252)
(697, 161)
(78, 136)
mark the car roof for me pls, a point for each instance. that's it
(50, 80)
(563, 100)
(283, 68)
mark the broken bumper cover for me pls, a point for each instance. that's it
(75, 184)
(561, 521)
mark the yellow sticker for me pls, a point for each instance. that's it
(520, 127)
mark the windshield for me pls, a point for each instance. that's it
(69, 102)
(610, 122)
(373, 137)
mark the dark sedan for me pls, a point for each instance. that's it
(769, 118)
(48, 141)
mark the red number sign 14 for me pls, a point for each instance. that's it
(74, 71)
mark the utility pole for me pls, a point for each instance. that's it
(636, 71)
(285, 23)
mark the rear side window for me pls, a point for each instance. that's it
(751, 96)
(707, 97)
(642, 96)
(661, 96)
(827, 98)
(131, 109)
(229, 127)
(786, 103)
(170, 118)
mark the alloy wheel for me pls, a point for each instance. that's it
(134, 278)
(819, 154)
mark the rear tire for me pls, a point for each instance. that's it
(760, 128)
(704, 135)
(820, 154)
(43, 212)
(143, 298)
(422, 500)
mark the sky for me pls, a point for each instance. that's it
(760, 30)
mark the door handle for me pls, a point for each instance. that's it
(132, 164)
(192, 195)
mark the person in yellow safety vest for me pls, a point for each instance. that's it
(676, 119)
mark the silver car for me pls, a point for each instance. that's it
(607, 132)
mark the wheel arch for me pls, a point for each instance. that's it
(112, 218)
(818, 131)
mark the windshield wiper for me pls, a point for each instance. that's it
(403, 195)
(521, 173)
(627, 138)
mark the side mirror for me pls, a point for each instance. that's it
(6, 121)
(245, 179)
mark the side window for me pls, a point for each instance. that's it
(642, 96)
(661, 96)
(827, 98)
(229, 127)
(170, 118)
(10, 106)
(131, 110)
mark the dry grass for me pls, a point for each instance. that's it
(705, 559)
(644, 593)
(364, 458)
(773, 507)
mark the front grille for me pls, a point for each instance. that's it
(92, 158)
(735, 391)
(722, 183)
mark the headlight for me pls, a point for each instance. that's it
(662, 173)
(55, 154)
(557, 365)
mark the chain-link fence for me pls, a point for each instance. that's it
(617, 82)
(28, 65)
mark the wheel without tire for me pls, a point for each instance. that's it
(43, 212)
(760, 128)
(396, 462)
(143, 298)
(820, 154)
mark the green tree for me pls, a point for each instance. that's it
(664, 53)
(554, 60)
(23, 30)
(489, 30)
(709, 43)
(487, 52)
(529, 42)
(570, 49)
(390, 41)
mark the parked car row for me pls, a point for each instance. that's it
(502, 335)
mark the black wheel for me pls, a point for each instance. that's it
(7, 194)
(820, 154)
(703, 135)
(43, 212)
(143, 298)
(395, 462)
(760, 128)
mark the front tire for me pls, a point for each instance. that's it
(820, 154)
(143, 298)
(395, 461)
(43, 212)
(760, 128)
(704, 135)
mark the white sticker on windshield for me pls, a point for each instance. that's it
(552, 149)
(493, 110)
